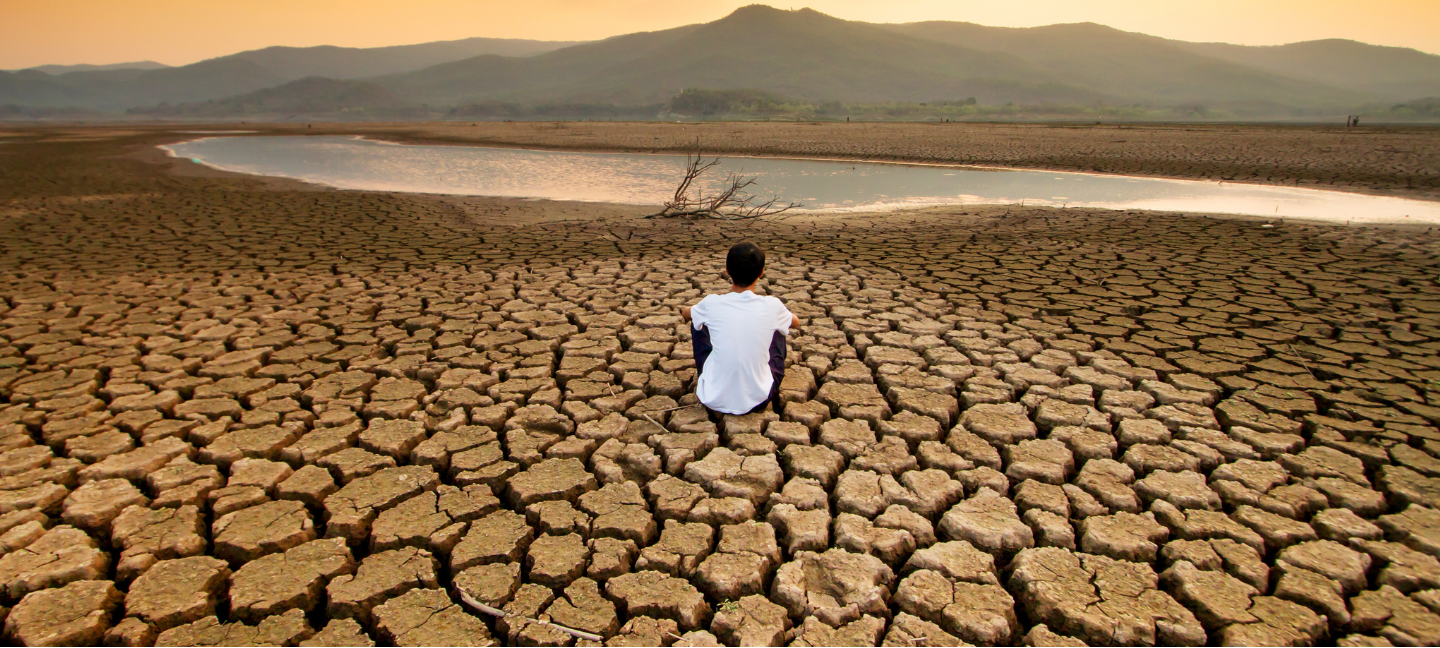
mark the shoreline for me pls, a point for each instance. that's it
(1426, 196)
(839, 160)
(876, 209)
(143, 146)
(597, 137)
(1398, 161)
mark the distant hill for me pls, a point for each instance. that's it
(1107, 56)
(1141, 67)
(796, 58)
(1390, 73)
(292, 63)
(308, 96)
(121, 88)
(810, 56)
(62, 69)
(803, 54)
(115, 90)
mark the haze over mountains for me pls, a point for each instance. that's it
(134, 65)
(117, 88)
(803, 55)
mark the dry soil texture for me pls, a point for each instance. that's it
(238, 412)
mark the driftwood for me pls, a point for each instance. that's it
(731, 203)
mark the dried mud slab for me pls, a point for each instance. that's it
(224, 420)
(74, 615)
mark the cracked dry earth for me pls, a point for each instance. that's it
(235, 415)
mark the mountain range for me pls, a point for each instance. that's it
(802, 55)
(134, 65)
(120, 87)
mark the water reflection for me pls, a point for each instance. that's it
(354, 163)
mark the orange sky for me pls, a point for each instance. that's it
(177, 32)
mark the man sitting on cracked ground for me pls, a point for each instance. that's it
(739, 339)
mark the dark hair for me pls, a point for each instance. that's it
(744, 263)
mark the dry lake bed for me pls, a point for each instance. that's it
(238, 410)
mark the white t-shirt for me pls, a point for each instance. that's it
(736, 376)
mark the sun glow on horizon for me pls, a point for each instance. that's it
(176, 32)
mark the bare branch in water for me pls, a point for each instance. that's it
(732, 203)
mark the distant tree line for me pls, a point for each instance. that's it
(758, 104)
(728, 102)
(1426, 109)
(493, 110)
(348, 100)
(15, 112)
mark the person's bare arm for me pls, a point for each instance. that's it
(794, 321)
(685, 312)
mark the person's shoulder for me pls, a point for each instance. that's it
(774, 302)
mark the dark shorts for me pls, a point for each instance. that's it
(700, 342)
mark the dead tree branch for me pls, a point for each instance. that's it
(731, 203)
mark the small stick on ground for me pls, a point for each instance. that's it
(1301, 359)
(497, 612)
(1083, 278)
(657, 423)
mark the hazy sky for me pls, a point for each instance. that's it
(177, 32)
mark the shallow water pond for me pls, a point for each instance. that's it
(629, 178)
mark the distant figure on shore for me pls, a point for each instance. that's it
(739, 339)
